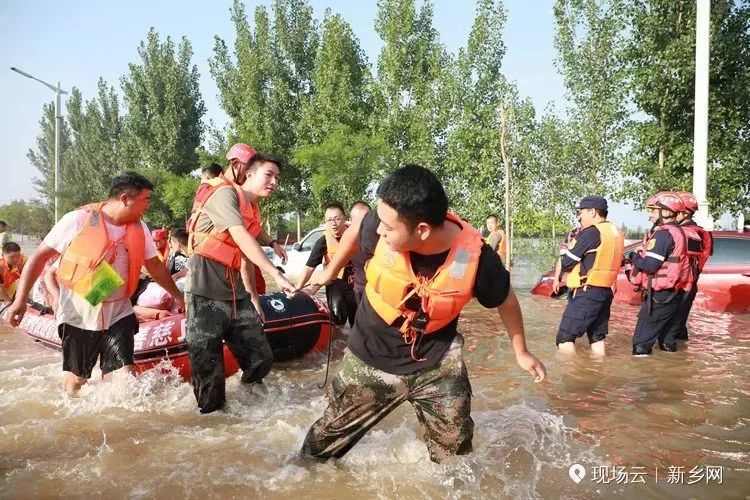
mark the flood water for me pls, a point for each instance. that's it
(626, 420)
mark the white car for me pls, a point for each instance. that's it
(299, 253)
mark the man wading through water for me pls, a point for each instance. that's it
(404, 345)
(222, 242)
(100, 245)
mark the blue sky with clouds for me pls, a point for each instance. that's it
(76, 42)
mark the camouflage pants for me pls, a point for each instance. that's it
(360, 396)
(209, 322)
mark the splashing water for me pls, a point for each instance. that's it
(143, 437)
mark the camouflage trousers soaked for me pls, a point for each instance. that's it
(209, 324)
(360, 396)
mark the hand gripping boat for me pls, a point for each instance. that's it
(293, 326)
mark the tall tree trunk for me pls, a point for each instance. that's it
(661, 141)
(506, 164)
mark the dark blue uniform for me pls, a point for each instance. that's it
(588, 307)
(659, 308)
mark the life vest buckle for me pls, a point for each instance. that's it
(419, 323)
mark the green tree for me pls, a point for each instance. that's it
(263, 85)
(408, 102)
(94, 159)
(27, 217)
(336, 146)
(661, 60)
(474, 91)
(163, 126)
(591, 40)
(43, 158)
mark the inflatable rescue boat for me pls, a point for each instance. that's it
(294, 326)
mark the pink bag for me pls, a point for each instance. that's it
(155, 297)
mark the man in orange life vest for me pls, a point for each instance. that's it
(11, 266)
(340, 292)
(700, 247)
(223, 232)
(496, 237)
(404, 345)
(91, 239)
(662, 269)
(593, 258)
(348, 251)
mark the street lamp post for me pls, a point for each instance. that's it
(700, 132)
(58, 127)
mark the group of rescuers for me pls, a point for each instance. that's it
(407, 268)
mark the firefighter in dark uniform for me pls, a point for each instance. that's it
(661, 269)
(593, 257)
(700, 246)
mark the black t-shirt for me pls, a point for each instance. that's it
(382, 346)
(319, 249)
(367, 244)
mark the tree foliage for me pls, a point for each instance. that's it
(163, 126)
(630, 66)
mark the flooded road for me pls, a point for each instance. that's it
(631, 418)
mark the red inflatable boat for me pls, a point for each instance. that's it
(293, 326)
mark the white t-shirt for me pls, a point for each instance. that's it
(73, 309)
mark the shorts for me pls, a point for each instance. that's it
(586, 313)
(113, 346)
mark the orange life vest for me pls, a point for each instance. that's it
(89, 247)
(11, 274)
(332, 244)
(219, 245)
(501, 247)
(607, 261)
(391, 282)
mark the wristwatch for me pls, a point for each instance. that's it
(271, 244)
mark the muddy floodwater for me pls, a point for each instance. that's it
(671, 425)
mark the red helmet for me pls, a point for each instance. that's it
(651, 202)
(690, 201)
(159, 234)
(669, 201)
(241, 152)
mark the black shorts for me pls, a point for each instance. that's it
(587, 312)
(113, 346)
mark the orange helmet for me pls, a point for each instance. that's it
(159, 234)
(668, 201)
(241, 152)
(689, 200)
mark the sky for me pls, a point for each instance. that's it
(76, 42)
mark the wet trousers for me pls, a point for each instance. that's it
(658, 322)
(210, 324)
(679, 327)
(342, 302)
(360, 396)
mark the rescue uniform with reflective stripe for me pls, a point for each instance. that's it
(659, 307)
(588, 308)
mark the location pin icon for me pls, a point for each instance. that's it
(577, 472)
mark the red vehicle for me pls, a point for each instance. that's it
(724, 284)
